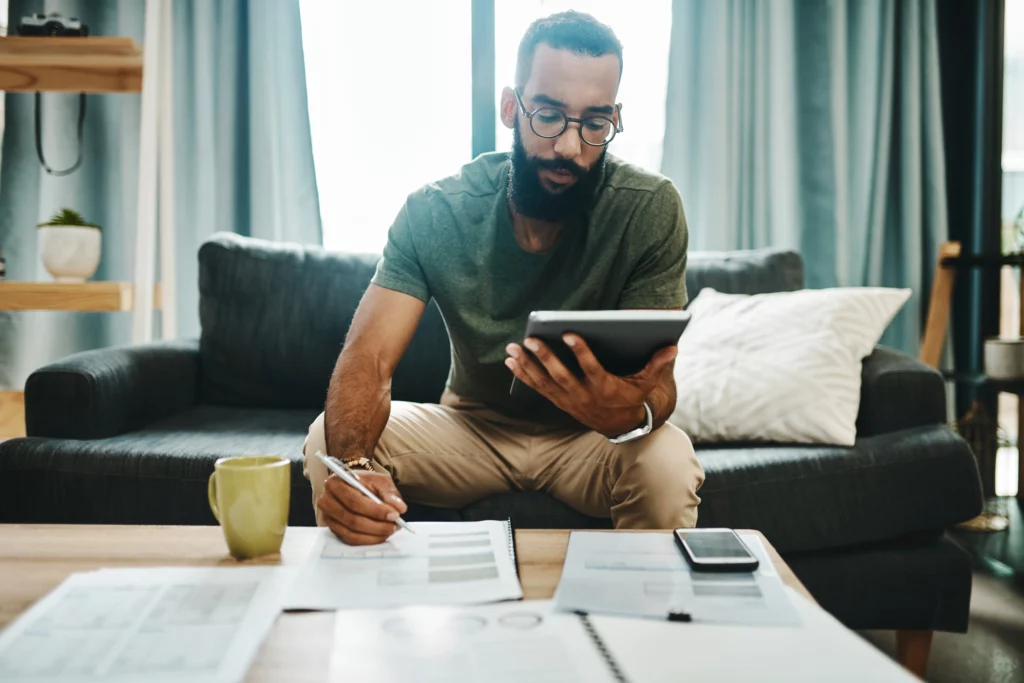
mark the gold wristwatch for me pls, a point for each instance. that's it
(362, 463)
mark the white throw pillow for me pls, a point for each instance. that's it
(779, 367)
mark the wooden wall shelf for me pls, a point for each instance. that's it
(69, 296)
(92, 64)
(12, 414)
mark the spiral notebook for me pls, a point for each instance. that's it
(443, 563)
(513, 642)
(509, 642)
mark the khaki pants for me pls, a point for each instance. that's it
(456, 453)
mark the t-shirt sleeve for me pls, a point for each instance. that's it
(659, 278)
(400, 269)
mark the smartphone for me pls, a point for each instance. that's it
(715, 550)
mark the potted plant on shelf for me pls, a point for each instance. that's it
(69, 246)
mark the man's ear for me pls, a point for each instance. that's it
(509, 106)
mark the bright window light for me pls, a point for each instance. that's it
(389, 107)
(3, 32)
(1013, 88)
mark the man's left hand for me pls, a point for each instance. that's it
(604, 402)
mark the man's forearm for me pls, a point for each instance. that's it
(358, 406)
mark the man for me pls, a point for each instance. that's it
(555, 225)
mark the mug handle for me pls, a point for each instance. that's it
(211, 493)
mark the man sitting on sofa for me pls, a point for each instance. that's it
(557, 224)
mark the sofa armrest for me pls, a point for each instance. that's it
(106, 392)
(898, 392)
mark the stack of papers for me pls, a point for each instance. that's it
(203, 625)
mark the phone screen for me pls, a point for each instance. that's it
(714, 544)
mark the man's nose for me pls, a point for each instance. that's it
(567, 145)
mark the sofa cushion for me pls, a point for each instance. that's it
(783, 367)
(532, 510)
(274, 318)
(818, 497)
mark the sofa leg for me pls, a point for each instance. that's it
(912, 648)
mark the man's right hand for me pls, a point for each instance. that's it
(356, 519)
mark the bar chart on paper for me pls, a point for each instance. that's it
(442, 563)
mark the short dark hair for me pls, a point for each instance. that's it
(575, 31)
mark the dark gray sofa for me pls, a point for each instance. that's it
(130, 435)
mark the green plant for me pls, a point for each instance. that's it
(68, 217)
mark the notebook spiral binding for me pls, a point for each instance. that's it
(510, 538)
(617, 673)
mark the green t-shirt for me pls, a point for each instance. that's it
(453, 241)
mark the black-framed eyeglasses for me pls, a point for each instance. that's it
(549, 122)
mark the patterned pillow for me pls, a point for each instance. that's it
(782, 367)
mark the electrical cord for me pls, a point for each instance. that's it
(39, 140)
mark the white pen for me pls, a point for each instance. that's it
(347, 476)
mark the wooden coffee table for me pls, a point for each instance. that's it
(35, 558)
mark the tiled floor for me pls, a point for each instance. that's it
(992, 650)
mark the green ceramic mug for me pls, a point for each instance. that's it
(249, 497)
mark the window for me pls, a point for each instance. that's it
(1008, 459)
(3, 32)
(389, 107)
(1013, 105)
(642, 28)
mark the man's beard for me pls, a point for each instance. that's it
(530, 198)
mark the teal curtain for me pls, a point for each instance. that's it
(243, 160)
(815, 126)
(244, 153)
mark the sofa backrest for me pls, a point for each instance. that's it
(274, 317)
(751, 271)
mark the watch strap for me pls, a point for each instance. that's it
(642, 430)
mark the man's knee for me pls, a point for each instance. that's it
(662, 474)
(666, 452)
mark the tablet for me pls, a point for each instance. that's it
(622, 341)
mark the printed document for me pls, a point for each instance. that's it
(645, 574)
(203, 625)
(442, 563)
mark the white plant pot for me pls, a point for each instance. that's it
(70, 253)
(1004, 358)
